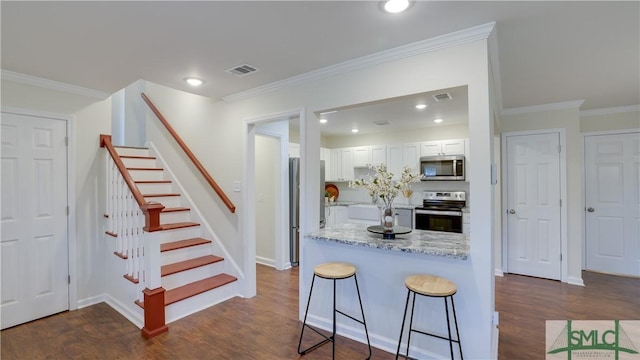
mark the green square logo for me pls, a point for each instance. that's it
(593, 339)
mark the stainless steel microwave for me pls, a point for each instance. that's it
(446, 167)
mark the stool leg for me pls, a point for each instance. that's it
(455, 319)
(413, 307)
(333, 336)
(404, 317)
(304, 322)
(446, 307)
(364, 322)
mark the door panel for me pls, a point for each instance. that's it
(34, 238)
(612, 202)
(533, 198)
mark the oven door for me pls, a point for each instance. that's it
(439, 220)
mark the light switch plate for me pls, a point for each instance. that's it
(236, 186)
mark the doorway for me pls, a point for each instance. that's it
(533, 193)
(612, 203)
(35, 238)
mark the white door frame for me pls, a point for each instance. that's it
(71, 195)
(584, 184)
(563, 196)
(248, 199)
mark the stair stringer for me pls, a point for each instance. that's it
(177, 311)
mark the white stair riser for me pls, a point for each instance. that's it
(141, 163)
(174, 217)
(146, 175)
(166, 236)
(192, 252)
(167, 201)
(200, 302)
(132, 151)
(185, 277)
(155, 188)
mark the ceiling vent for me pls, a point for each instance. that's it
(442, 97)
(242, 70)
(383, 122)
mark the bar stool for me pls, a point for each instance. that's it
(333, 271)
(431, 286)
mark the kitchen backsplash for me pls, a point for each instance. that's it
(362, 196)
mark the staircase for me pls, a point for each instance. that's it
(193, 275)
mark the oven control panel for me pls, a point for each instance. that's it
(444, 195)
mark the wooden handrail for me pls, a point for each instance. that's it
(190, 155)
(151, 210)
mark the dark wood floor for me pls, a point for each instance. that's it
(266, 327)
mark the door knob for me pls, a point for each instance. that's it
(512, 211)
(591, 209)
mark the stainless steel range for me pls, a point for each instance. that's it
(441, 211)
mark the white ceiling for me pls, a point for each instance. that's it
(548, 51)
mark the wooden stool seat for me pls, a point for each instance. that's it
(430, 285)
(334, 270)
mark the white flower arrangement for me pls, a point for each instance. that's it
(382, 184)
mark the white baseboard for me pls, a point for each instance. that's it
(575, 281)
(266, 261)
(494, 346)
(91, 301)
(498, 272)
(136, 319)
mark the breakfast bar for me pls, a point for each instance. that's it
(382, 266)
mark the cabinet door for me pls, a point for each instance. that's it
(404, 217)
(361, 156)
(453, 147)
(335, 164)
(411, 156)
(378, 154)
(347, 164)
(395, 160)
(325, 154)
(330, 215)
(430, 148)
(341, 214)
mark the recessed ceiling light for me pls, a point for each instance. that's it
(328, 112)
(396, 6)
(437, 121)
(323, 121)
(421, 106)
(354, 130)
(194, 81)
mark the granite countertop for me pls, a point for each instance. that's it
(452, 245)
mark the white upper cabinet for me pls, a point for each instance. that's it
(411, 156)
(361, 156)
(442, 147)
(378, 154)
(347, 164)
(341, 164)
(395, 159)
(325, 154)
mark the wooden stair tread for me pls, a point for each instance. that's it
(176, 209)
(189, 264)
(150, 169)
(137, 157)
(152, 181)
(160, 195)
(183, 244)
(130, 147)
(179, 225)
(195, 288)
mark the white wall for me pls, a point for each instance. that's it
(610, 121)
(267, 189)
(460, 131)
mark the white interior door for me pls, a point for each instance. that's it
(533, 205)
(34, 238)
(612, 196)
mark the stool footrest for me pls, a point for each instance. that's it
(350, 317)
(327, 339)
(434, 335)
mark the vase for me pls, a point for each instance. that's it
(387, 218)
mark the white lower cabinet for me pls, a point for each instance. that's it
(335, 215)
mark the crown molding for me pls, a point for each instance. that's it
(480, 32)
(544, 107)
(611, 110)
(51, 84)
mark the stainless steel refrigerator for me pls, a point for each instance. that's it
(294, 207)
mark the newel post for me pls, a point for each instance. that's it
(152, 216)
(154, 316)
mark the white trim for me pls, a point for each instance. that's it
(90, 301)
(135, 318)
(609, 111)
(571, 280)
(610, 132)
(494, 346)
(51, 84)
(248, 218)
(564, 245)
(71, 193)
(464, 36)
(498, 272)
(266, 261)
(544, 107)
